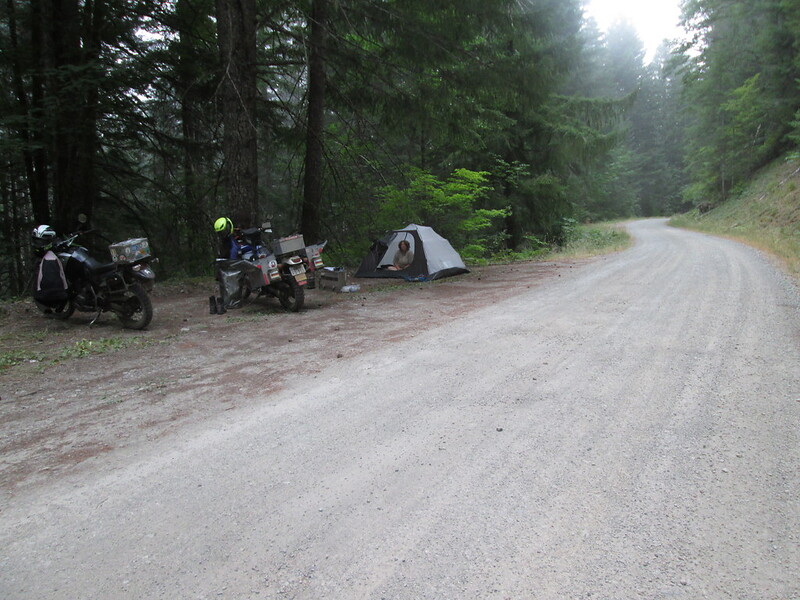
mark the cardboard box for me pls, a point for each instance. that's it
(130, 251)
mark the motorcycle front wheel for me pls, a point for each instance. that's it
(291, 295)
(136, 312)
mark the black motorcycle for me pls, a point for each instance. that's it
(121, 286)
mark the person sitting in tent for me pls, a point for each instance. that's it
(403, 257)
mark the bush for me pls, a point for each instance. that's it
(450, 207)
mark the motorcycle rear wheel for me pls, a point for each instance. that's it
(291, 296)
(137, 311)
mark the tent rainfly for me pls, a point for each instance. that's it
(434, 257)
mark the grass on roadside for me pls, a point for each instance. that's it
(12, 358)
(79, 349)
(594, 240)
(583, 241)
(766, 215)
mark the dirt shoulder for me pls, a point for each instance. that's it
(78, 391)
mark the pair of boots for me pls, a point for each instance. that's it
(216, 306)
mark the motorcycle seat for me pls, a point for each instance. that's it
(98, 268)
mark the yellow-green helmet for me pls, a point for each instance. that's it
(223, 225)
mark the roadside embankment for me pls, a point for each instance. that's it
(765, 215)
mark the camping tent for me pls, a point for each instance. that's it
(434, 257)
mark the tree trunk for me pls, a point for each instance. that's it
(310, 221)
(191, 70)
(236, 38)
(74, 48)
(30, 131)
(41, 167)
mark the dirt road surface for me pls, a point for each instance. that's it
(626, 427)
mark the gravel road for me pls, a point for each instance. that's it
(629, 429)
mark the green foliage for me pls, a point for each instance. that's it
(79, 349)
(579, 241)
(740, 73)
(746, 137)
(449, 206)
(544, 202)
(84, 348)
(13, 358)
(591, 240)
(794, 133)
(531, 248)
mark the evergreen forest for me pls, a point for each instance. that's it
(500, 123)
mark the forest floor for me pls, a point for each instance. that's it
(70, 391)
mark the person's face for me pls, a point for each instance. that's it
(405, 246)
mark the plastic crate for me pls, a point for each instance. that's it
(130, 251)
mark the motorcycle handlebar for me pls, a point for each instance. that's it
(76, 234)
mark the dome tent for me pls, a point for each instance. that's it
(434, 257)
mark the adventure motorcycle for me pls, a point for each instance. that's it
(281, 272)
(121, 286)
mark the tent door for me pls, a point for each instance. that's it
(394, 244)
